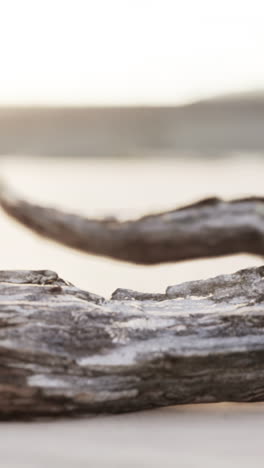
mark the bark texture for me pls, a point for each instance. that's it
(208, 228)
(64, 351)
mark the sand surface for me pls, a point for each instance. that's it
(224, 435)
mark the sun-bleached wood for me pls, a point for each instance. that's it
(208, 228)
(65, 351)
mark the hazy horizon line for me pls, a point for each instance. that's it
(232, 95)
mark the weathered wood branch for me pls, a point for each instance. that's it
(209, 228)
(65, 351)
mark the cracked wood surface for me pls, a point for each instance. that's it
(208, 228)
(64, 351)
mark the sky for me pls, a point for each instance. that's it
(137, 52)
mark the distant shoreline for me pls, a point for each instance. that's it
(211, 128)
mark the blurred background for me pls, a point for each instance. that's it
(117, 107)
(124, 107)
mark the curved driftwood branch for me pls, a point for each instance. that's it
(208, 228)
(65, 351)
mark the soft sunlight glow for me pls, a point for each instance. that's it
(128, 51)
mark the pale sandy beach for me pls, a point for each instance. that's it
(203, 436)
(226, 435)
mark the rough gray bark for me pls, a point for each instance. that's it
(64, 351)
(209, 228)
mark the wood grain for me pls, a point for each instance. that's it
(65, 351)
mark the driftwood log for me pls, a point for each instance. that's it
(64, 351)
(208, 228)
(67, 351)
